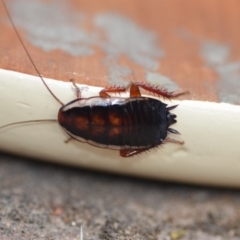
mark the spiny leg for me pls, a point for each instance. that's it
(156, 90)
(78, 91)
(132, 152)
(134, 90)
(104, 92)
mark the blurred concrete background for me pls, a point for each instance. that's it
(43, 201)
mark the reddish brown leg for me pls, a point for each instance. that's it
(166, 140)
(78, 91)
(104, 92)
(159, 91)
(132, 152)
(135, 92)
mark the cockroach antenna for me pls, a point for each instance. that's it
(29, 121)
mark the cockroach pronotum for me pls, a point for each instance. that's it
(131, 125)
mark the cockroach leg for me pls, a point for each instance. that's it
(104, 92)
(159, 91)
(132, 152)
(166, 140)
(135, 91)
(179, 93)
(78, 91)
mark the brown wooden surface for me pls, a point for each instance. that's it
(180, 25)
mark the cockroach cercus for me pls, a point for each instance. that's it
(131, 124)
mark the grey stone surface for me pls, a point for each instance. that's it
(45, 201)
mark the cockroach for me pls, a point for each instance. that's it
(132, 125)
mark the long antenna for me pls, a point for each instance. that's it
(30, 121)
(26, 51)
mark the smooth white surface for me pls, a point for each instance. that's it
(210, 155)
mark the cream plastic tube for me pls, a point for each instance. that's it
(210, 155)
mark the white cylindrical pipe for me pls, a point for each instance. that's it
(210, 155)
